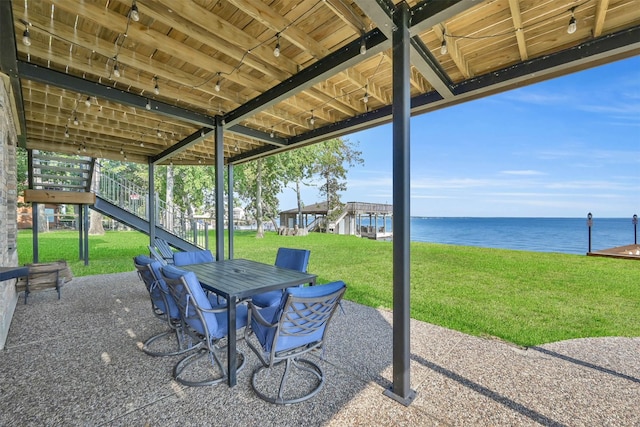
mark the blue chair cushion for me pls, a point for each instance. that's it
(158, 286)
(192, 257)
(216, 323)
(265, 335)
(268, 299)
(294, 259)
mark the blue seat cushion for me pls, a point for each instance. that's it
(268, 299)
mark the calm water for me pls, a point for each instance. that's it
(567, 235)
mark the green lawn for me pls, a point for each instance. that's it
(527, 298)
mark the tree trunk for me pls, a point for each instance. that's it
(168, 221)
(95, 224)
(299, 197)
(95, 218)
(260, 231)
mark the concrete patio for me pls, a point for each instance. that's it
(76, 361)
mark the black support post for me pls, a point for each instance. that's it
(219, 178)
(230, 207)
(401, 390)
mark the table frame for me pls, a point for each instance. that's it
(238, 279)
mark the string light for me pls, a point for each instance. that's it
(66, 131)
(363, 46)
(87, 101)
(272, 134)
(276, 51)
(133, 13)
(141, 144)
(75, 121)
(217, 88)
(573, 26)
(365, 99)
(26, 37)
(156, 88)
(121, 151)
(148, 106)
(312, 120)
(443, 48)
(116, 69)
(158, 133)
(236, 148)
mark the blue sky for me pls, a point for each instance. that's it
(560, 148)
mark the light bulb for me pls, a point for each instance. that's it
(443, 48)
(116, 70)
(87, 102)
(363, 47)
(141, 144)
(26, 37)
(572, 25)
(235, 148)
(217, 88)
(159, 133)
(312, 120)
(66, 133)
(84, 148)
(156, 89)
(148, 106)
(121, 151)
(276, 51)
(75, 121)
(272, 134)
(134, 14)
(366, 98)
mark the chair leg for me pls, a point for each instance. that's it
(182, 365)
(181, 348)
(304, 365)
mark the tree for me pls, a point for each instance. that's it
(258, 184)
(297, 166)
(334, 158)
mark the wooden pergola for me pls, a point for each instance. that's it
(221, 82)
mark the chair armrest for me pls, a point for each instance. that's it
(254, 311)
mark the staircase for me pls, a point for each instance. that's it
(115, 197)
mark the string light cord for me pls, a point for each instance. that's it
(513, 31)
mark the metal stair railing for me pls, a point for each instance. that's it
(135, 199)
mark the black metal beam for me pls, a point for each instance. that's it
(258, 135)
(9, 64)
(187, 142)
(428, 13)
(623, 44)
(45, 75)
(343, 58)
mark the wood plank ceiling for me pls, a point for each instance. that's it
(97, 81)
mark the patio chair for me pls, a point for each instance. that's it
(192, 257)
(205, 323)
(294, 259)
(156, 255)
(287, 331)
(163, 306)
(164, 249)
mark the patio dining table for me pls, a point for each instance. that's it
(237, 279)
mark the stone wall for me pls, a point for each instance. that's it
(8, 208)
